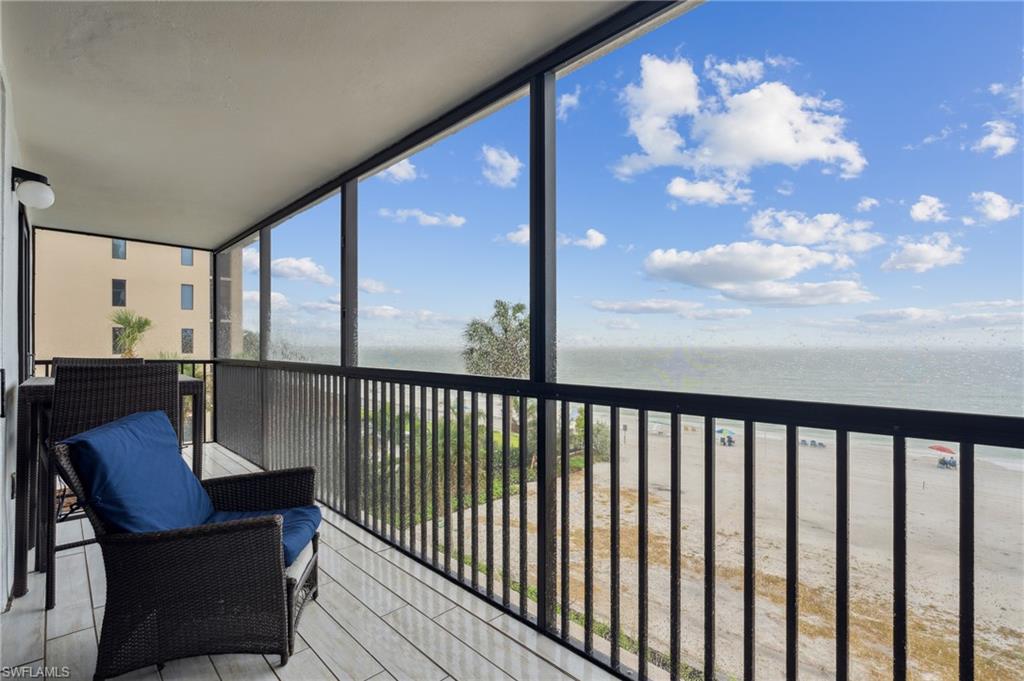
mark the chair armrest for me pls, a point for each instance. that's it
(218, 552)
(267, 491)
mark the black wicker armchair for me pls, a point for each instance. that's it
(215, 588)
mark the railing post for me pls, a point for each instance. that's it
(349, 347)
(542, 327)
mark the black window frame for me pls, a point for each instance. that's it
(191, 296)
(189, 348)
(124, 293)
(114, 251)
(115, 336)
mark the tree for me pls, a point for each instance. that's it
(499, 346)
(250, 345)
(133, 328)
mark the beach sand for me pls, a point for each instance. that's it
(932, 561)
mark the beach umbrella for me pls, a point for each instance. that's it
(942, 448)
(724, 431)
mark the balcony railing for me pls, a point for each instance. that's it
(491, 482)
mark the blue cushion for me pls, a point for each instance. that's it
(300, 525)
(135, 477)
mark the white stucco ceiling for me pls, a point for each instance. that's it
(188, 122)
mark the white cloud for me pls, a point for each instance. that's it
(910, 317)
(422, 217)
(729, 75)
(520, 235)
(930, 139)
(935, 250)
(771, 124)
(403, 171)
(419, 318)
(710, 192)
(995, 207)
(968, 221)
(567, 102)
(785, 188)
(738, 262)
(1001, 138)
(368, 285)
(928, 209)
(1002, 303)
(904, 314)
(592, 240)
(501, 167)
(1013, 93)
(752, 271)
(321, 306)
(621, 324)
(300, 268)
(684, 308)
(278, 301)
(797, 294)
(380, 311)
(866, 203)
(251, 259)
(742, 128)
(780, 61)
(667, 90)
(829, 230)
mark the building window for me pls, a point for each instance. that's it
(118, 249)
(186, 341)
(186, 296)
(119, 293)
(186, 257)
(115, 340)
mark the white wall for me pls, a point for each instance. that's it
(9, 155)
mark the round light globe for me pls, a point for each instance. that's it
(35, 194)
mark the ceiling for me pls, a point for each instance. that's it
(188, 122)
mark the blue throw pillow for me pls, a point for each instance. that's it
(135, 477)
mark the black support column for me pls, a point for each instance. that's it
(542, 327)
(350, 339)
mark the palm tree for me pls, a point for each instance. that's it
(133, 328)
(499, 346)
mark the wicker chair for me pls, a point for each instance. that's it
(218, 588)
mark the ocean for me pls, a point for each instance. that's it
(984, 381)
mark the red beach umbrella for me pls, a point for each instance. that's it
(942, 448)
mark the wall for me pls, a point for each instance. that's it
(73, 296)
(9, 156)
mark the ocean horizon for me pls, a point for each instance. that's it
(979, 380)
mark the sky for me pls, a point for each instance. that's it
(785, 174)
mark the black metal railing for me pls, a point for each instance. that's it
(201, 369)
(492, 482)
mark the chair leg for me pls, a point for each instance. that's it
(51, 538)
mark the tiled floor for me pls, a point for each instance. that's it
(380, 615)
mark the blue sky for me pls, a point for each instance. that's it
(747, 174)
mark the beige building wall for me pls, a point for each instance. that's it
(73, 285)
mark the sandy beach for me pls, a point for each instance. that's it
(932, 540)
